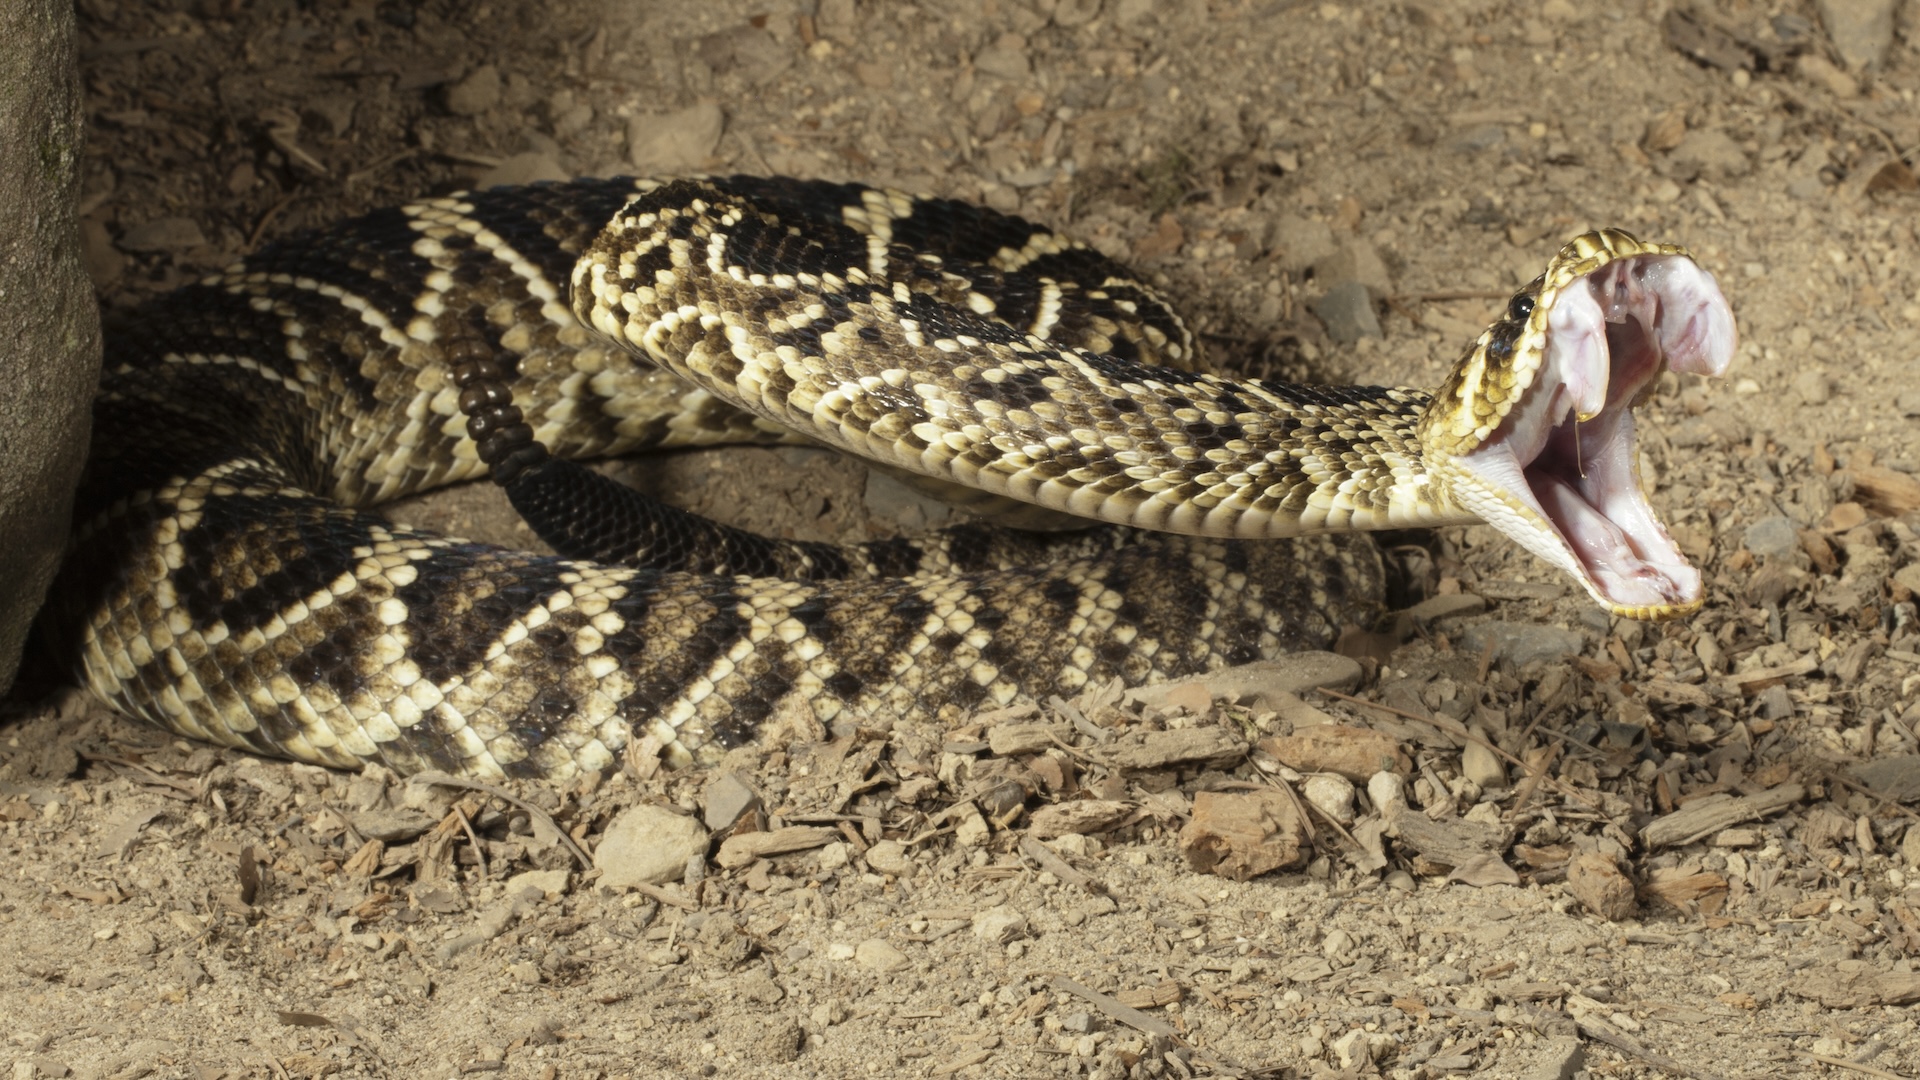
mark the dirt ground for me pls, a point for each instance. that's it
(1675, 850)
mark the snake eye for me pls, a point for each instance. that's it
(1520, 307)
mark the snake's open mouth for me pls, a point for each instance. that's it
(1567, 454)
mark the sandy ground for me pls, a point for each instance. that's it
(174, 911)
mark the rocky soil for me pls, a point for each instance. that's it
(1511, 837)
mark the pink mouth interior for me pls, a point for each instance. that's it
(1608, 336)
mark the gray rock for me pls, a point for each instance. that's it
(1560, 1059)
(331, 112)
(477, 92)
(648, 844)
(1300, 243)
(1813, 387)
(1772, 536)
(1332, 794)
(1908, 576)
(890, 857)
(537, 884)
(1714, 428)
(1482, 766)
(392, 826)
(837, 19)
(1355, 261)
(1347, 311)
(164, 234)
(1708, 152)
(777, 1040)
(1521, 644)
(679, 141)
(1773, 703)
(746, 52)
(1004, 61)
(49, 328)
(1861, 30)
(1475, 139)
(999, 925)
(878, 954)
(726, 799)
(528, 168)
(573, 119)
(1806, 178)
(1896, 779)
(1072, 13)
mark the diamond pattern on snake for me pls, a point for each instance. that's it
(230, 580)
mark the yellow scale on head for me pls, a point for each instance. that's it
(1484, 388)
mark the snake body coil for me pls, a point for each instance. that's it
(226, 582)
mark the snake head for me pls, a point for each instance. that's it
(1534, 432)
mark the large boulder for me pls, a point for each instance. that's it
(49, 327)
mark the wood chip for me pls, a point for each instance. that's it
(1007, 740)
(1704, 817)
(1855, 984)
(742, 849)
(1450, 843)
(1084, 816)
(1668, 692)
(1242, 836)
(1161, 749)
(1690, 893)
(1886, 491)
(1353, 752)
(1165, 992)
(1752, 682)
(1596, 881)
(1113, 1008)
(1051, 862)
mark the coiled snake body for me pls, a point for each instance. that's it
(225, 582)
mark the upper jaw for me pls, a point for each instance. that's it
(1560, 473)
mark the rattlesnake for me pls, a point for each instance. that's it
(224, 582)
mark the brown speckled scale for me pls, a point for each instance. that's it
(227, 581)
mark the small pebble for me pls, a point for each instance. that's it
(1813, 387)
(726, 798)
(1522, 643)
(1772, 536)
(834, 856)
(877, 954)
(164, 234)
(1332, 794)
(1861, 30)
(999, 925)
(1388, 792)
(1347, 311)
(663, 143)
(1006, 59)
(648, 844)
(890, 857)
(531, 167)
(1482, 766)
(476, 93)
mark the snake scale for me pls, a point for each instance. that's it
(227, 580)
